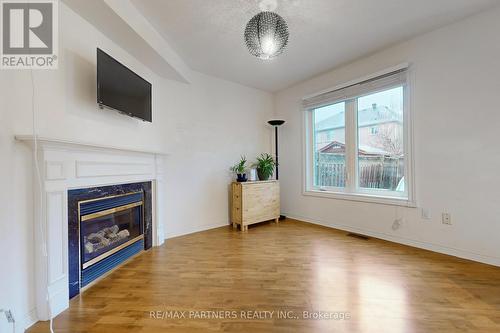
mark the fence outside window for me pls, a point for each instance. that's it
(379, 172)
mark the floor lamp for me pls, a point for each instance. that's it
(276, 123)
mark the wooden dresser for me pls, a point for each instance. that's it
(254, 202)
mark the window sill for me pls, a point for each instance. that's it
(362, 197)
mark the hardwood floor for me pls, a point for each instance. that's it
(293, 266)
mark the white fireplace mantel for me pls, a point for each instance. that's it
(65, 165)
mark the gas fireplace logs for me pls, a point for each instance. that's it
(104, 238)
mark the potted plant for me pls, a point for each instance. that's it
(265, 166)
(239, 169)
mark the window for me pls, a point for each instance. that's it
(329, 153)
(357, 141)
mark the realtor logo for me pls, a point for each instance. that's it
(29, 34)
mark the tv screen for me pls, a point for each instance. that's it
(121, 89)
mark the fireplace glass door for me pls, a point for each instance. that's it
(105, 232)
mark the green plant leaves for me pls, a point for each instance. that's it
(240, 167)
(265, 166)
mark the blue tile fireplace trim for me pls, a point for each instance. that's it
(74, 196)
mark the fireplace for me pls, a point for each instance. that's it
(72, 172)
(107, 226)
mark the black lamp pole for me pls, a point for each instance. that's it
(276, 150)
(276, 123)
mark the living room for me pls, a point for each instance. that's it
(249, 166)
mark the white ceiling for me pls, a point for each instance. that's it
(208, 34)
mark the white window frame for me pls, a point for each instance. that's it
(352, 191)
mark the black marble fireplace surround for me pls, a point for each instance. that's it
(78, 195)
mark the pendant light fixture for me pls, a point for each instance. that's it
(266, 35)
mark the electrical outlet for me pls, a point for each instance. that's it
(397, 224)
(446, 218)
(10, 317)
(6, 321)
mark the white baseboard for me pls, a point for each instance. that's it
(464, 254)
(198, 229)
(30, 319)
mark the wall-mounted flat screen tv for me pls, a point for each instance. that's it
(120, 89)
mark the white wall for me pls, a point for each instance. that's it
(205, 126)
(455, 88)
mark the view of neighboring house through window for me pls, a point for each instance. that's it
(381, 152)
(329, 148)
(359, 143)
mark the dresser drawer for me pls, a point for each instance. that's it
(254, 202)
(236, 214)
